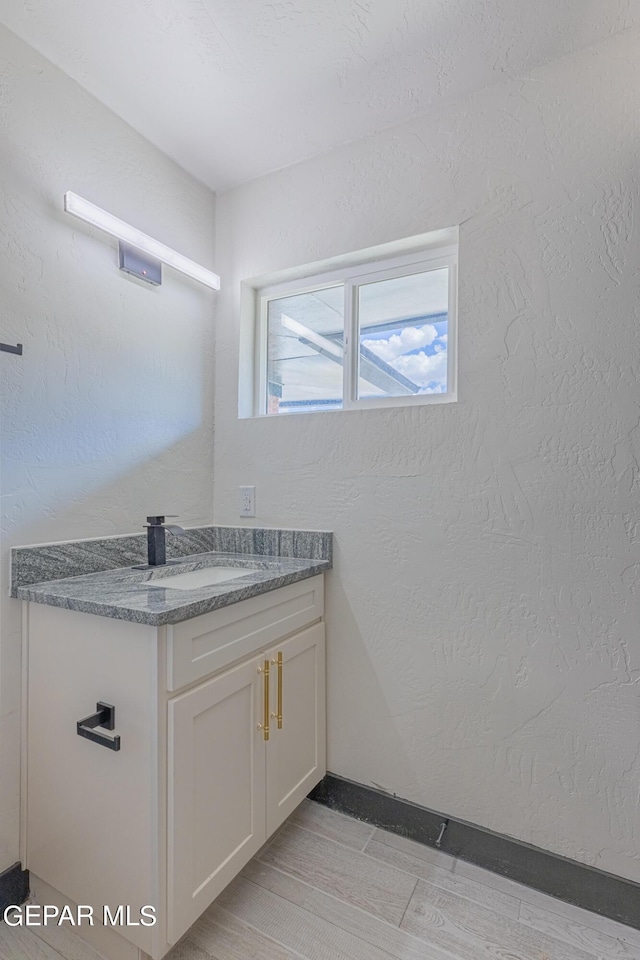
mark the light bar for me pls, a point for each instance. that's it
(99, 218)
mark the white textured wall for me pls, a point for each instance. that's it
(483, 651)
(108, 416)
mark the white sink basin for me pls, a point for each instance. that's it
(200, 578)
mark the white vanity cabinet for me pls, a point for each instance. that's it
(222, 727)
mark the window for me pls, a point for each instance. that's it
(381, 333)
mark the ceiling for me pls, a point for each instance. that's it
(232, 89)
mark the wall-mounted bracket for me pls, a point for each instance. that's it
(105, 717)
(139, 264)
(10, 348)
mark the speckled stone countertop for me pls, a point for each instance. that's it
(124, 593)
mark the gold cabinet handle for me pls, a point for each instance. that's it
(265, 725)
(278, 716)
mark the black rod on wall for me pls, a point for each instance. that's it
(10, 348)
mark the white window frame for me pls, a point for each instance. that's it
(353, 277)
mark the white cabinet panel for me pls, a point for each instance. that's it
(296, 751)
(216, 813)
(90, 811)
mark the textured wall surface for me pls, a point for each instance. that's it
(108, 415)
(256, 85)
(483, 609)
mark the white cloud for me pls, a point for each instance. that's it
(410, 338)
(423, 368)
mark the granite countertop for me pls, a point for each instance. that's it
(124, 593)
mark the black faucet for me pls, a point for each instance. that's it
(156, 543)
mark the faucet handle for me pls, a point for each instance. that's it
(158, 521)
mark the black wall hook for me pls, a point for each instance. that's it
(9, 348)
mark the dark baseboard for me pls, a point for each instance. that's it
(557, 876)
(14, 886)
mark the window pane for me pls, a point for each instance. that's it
(305, 351)
(403, 335)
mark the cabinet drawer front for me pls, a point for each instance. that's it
(198, 647)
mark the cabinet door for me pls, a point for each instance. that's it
(216, 767)
(296, 750)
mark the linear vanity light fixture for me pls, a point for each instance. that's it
(126, 234)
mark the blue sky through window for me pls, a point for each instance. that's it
(418, 351)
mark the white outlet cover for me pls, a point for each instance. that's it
(248, 501)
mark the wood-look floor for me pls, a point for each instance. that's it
(327, 887)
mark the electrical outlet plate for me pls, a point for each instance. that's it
(248, 501)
